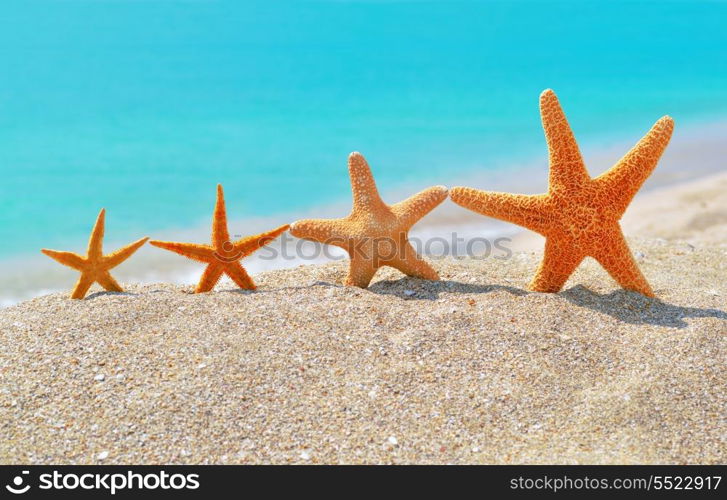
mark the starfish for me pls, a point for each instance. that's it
(579, 215)
(95, 266)
(374, 234)
(222, 256)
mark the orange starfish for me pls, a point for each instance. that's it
(374, 234)
(95, 266)
(579, 216)
(222, 256)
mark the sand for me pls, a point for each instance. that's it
(471, 369)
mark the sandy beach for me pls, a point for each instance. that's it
(470, 369)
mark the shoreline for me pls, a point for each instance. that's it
(676, 171)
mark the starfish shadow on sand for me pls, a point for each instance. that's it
(406, 288)
(627, 306)
(325, 284)
(113, 293)
(632, 307)
(418, 289)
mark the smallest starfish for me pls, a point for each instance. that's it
(95, 266)
(222, 256)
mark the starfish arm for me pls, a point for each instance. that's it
(616, 258)
(69, 259)
(530, 211)
(411, 264)
(95, 242)
(621, 182)
(201, 253)
(82, 285)
(211, 275)
(248, 245)
(328, 231)
(414, 208)
(108, 282)
(238, 274)
(220, 233)
(566, 164)
(559, 262)
(360, 272)
(114, 259)
(365, 195)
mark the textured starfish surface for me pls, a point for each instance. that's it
(579, 216)
(222, 256)
(374, 234)
(95, 266)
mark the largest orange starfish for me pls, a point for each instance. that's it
(95, 266)
(222, 256)
(579, 216)
(374, 234)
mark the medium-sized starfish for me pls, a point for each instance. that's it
(579, 216)
(95, 266)
(374, 234)
(222, 256)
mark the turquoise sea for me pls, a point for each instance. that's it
(143, 106)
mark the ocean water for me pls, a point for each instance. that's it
(141, 107)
